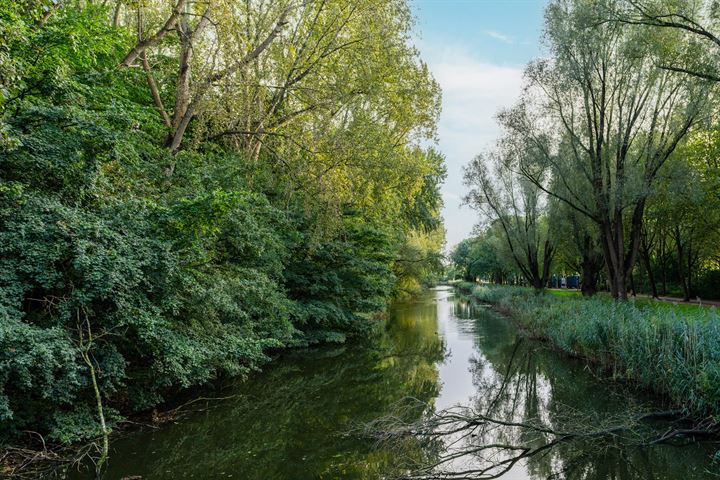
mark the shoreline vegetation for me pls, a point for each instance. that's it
(186, 187)
(672, 353)
(37, 457)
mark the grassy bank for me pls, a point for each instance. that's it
(641, 301)
(673, 352)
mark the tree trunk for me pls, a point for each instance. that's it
(662, 258)
(591, 265)
(616, 278)
(620, 259)
(680, 249)
(689, 270)
(590, 274)
(180, 118)
(86, 344)
(645, 254)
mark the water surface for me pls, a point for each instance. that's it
(296, 419)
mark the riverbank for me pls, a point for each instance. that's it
(34, 455)
(674, 353)
(304, 415)
(289, 420)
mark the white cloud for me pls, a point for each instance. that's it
(451, 197)
(473, 92)
(500, 36)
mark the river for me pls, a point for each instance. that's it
(299, 418)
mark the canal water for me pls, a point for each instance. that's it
(304, 416)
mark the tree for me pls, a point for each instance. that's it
(460, 257)
(619, 117)
(518, 206)
(684, 209)
(694, 49)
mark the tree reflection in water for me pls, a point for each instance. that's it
(299, 419)
(292, 420)
(539, 415)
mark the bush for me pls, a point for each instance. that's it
(169, 307)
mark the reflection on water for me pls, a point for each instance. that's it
(519, 381)
(296, 419)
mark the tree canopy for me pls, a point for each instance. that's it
(614, 131)
(187, 185)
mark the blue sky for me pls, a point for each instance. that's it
(476, 50)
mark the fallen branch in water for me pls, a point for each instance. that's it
(36, 459)
(175, 413)
(31, 463)
(463, 443)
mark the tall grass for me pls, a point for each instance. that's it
(674, 352)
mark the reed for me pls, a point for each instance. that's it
(674, 352)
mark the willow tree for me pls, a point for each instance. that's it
(518, 206)
(696, 46)
(621, 117)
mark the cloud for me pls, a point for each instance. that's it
(473, 92)
(500, 36)
(451, 197)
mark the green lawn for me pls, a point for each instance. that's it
(564, 293)
(678, 307)
(641, 302)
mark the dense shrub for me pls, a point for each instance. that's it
(183, 265)
(166, 310)
(337, 283)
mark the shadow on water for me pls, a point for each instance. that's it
(292, 420)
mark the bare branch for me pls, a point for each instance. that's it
(154, 39)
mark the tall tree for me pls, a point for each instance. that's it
(620, 115)
(518, 206)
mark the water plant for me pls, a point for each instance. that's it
(673, 352)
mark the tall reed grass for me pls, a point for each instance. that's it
(673, 352)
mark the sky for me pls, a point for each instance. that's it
(476, 50)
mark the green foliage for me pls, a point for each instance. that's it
(337, 282)
(484, 257)
(423, 212)
(671, 351)
(191, 264)
(418, 262)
